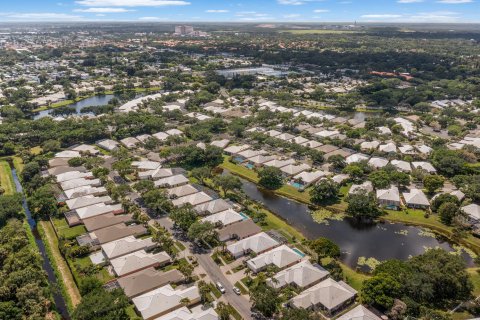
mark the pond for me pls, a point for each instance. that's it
(60, 303)
(98, 100)
(380, 241)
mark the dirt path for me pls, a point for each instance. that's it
(61, 264)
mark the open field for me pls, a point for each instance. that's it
(6, 178)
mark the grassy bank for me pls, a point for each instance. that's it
(6, 178)
(64, 276)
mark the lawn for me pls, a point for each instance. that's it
(475, 277)
(18, 164)
(68, 232)
(242, 287)
(6, 178)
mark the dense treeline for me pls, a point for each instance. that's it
(24, 290)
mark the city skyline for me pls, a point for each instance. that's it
(394, 11)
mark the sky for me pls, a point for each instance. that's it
(411, 11)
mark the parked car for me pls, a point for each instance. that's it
(237, 291)
(220, 287)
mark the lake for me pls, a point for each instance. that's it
(98, 100)
(381, 241)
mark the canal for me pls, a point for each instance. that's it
(60, 303)
(380, 241)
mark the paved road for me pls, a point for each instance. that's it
(240, 303)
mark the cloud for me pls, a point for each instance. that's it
(291, 16)
(296, 2)
(321, 10)
(253, 16)
(455, 1)
(103, 10)
(216, 11)
(43, 16)
(410, 1)
(131, 3)
(151, 19)
(427, 17)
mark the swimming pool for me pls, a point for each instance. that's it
(297, 185)
(245, 217)
(300, 253)
(249, 166)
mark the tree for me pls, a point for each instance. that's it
(362, 205)
(223, 311)
(123, 167)
(447, 212)
(443, 198)
(298, 314)
(186, 269)
(30, 170)
(380, 291)
(270, 178)
(325, 190)
(144, 186)
(265, 299)
(202, 231)
(227, 183)
(158, 201)
(324, 248)
(337, 161)
(42, 203)
(89, 284)
(102, 304)
(432, 182)
(183, 217)
(380, 179)
(51, 145)
(201, 173)
(10, 207)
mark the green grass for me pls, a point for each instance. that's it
(242, 287)
(215, 291)
(475, 277)
(18, 164)
(130, 310)
(234, 313)
(180, 245)
(63, 229)
(6, 178)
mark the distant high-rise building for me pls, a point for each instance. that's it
(183, 30)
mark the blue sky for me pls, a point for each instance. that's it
(426, 11)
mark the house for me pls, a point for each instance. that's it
(472, 211)
(384, 130)
(285, 136)
(388, 147)
(239, 230)
(174, 132)
(294, 169)
(137, 261)
(156, 174)
(80, 182)
(369, 145)
(117, 231)
(423, 149)
(71, 175)
(162, 136)
(225, 218)
(339, 178)
(257, 243)
(55, 171)
(401, 165)
(181, 191)
(86, 201)
(377, 162)
(236, 149)
(279, 163)
(106, 220)
(98, 209)
(58, 162)
(86, 149)
(329, 295)
(185, 314)
(357, 157)
(249, 153)
(407, 149)
(123, 246)
(146, 165)
(172, 181)
(389, 198)
(416, 199)
(312, 144)
(130, 142)
(161, 301)
(281, 257)
(366, 187)
(427, 166)
(273, 133)
(301, 275)
(212, 207)
(299, 140)
(84, 191)
(220, 143)
(147, 280)
(327, 148)
(192, 199)
(144, 137)
(307, 178)
(359, 313)
(67, 154)
(108, 144)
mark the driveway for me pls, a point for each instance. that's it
(240, 303)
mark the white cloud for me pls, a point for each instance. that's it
(321, 10)
(151, 19)
(103, 10)
(381, 16)
(296, 2)
(421, 17)
(131, 3)
(409, 1)
(455, 1)
(216, 11)
(44, 16)
(291, 16)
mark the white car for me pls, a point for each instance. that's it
(220, 287)
(237, 291)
